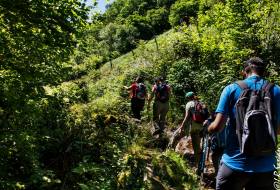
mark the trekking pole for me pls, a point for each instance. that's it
(201, 167)
(205, 149)
(208, 150)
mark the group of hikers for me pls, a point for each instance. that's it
(242, 130)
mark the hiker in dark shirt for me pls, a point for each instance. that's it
(161, 91)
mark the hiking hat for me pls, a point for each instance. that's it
(189, 94)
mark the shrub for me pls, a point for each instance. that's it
(182, 8)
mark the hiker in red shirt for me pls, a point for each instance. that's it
(138, 94)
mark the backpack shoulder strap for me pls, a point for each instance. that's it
(267, 86)
(144, 87)
(196, 104)
(242, 84)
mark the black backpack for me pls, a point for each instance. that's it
(141, 91)
(162, 93)
(255, 128)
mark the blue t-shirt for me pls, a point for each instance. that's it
(232, 156)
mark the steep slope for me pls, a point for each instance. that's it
(138, 162)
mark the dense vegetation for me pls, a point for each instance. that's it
(64, 116)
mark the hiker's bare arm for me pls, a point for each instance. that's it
(185, 119)
(217, 124)
(128, 87)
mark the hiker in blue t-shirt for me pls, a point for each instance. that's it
(239, 170)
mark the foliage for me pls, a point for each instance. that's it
(151, 170)
(203, 56)
(35, 38)
(117, 38)
(142, 24)
(66, 119)
(132, 174)
(88, 43)
(158, 19)
(181, 9)
(182, 76)
(173, 170)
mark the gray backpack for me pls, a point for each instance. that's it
(255, 127)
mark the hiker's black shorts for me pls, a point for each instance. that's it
(228, 179)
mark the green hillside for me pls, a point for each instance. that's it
(108, 107)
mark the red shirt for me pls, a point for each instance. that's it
(133, 89)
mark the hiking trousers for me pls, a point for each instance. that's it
(193, 129)
(137, 106)
(228, 179)
(160, 110)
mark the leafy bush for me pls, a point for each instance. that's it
(158, 19)
(142, 24)
(181, 9)
(151, 170)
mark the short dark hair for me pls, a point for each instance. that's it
(139, 79)
(159, 79)
(255, 64)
